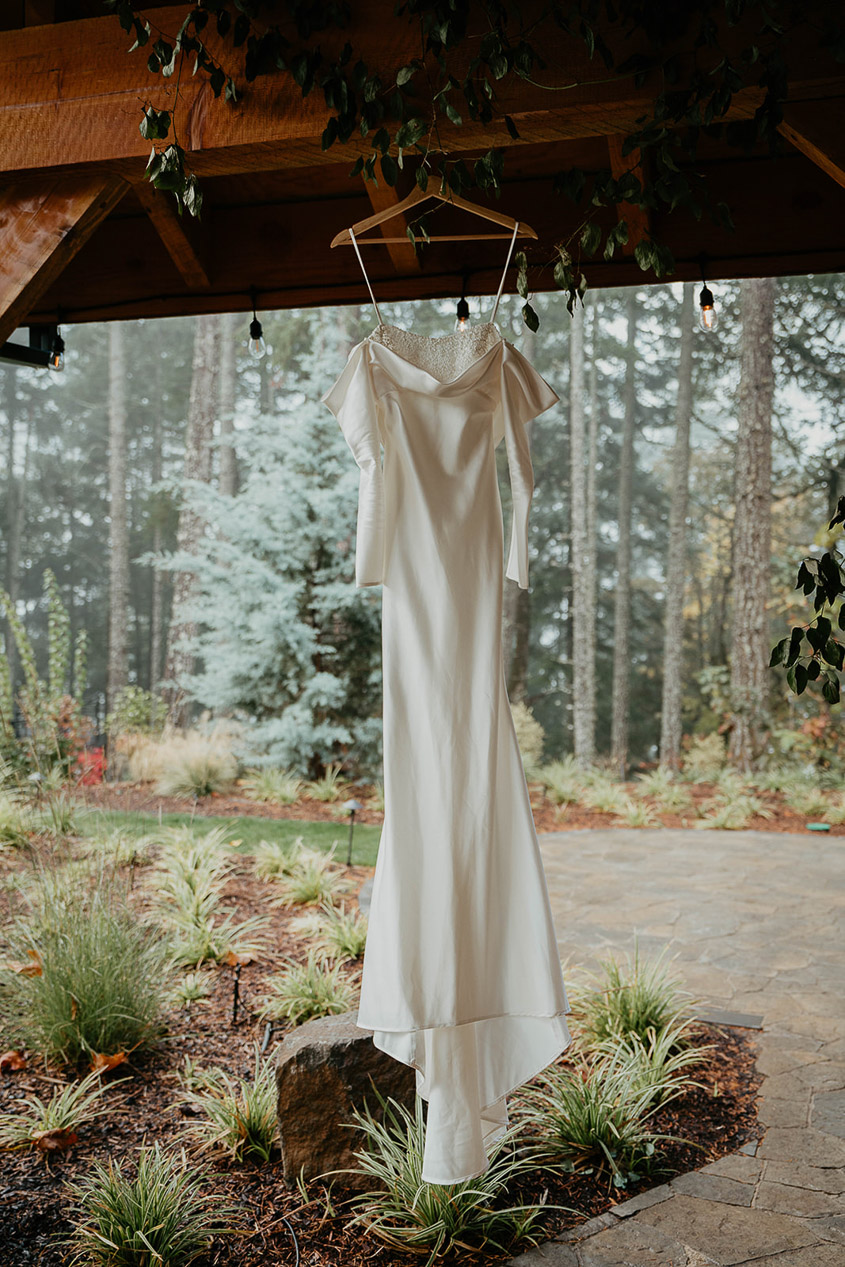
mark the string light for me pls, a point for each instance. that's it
(708, 318)
(257, 346)
(462, 316)
(56, 361)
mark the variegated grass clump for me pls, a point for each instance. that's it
(564, 781)
(17, 821)
(663, 787)
(193, 987)
(607, 798)
(433, 1219)
(704, 759)
(274, 786)
(732, 811)
(634, 996)
(313, 878)
(810, 802)
(53, 1123)
(331, 787)
(334, 932)
(189, 882)
(303, 991)
(278, 858)
(237, 1116)
(637, 814)
(161, 1215)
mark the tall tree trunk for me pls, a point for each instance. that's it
(228, 478)
(118, 668)
(592, 514)
(202, 407)
(158, 578)
(673, 620)
(752, 526)
(583, 651)
(622, 597)
(15, 505)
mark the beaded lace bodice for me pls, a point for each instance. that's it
(445, 357)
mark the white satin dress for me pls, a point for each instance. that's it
(461, 975)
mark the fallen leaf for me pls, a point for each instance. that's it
(101, 1063)
(54, 1141)
(232, 960)
(74, 1008)
(31, 969)
(12, 1061)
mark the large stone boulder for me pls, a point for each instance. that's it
(324, 1070)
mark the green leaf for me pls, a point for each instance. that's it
(834, 653)
(389, 170)
(511, 127)
(794, 646)
(830, 691)
(530, 318)
(778, 652)
(405, 75)
(421, 177)
(590, 238)
(801, 677)
(813, 670)
(644, 254)
(453, 116)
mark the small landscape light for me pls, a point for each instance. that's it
(351, 808)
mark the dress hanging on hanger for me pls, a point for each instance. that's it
(461, 976)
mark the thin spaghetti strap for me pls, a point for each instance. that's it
(366, 278)
(504, 274)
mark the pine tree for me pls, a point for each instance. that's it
(583, 652)
(202, 409)
(118, 666)
(752, 526)
(622, 597)
(287, 642)
(673, 622)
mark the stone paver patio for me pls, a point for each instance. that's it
(756, 922)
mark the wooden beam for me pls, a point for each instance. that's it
(403, 255)
(636, 218)
(43, 223)
(70, 95)
(180, 234)
(816, 130)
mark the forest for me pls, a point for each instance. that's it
(196, 506)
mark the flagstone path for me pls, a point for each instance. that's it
(757, 920)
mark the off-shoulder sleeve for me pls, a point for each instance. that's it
(353, 402)
(524, 395)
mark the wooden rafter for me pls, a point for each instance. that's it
(636, 218)
(180, 235)
(43, 223)
(816, 131)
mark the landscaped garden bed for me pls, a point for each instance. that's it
(219, 917)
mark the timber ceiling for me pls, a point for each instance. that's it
(84, 237)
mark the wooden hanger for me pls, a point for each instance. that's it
(413, 200)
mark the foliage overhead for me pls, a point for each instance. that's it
(699, 57)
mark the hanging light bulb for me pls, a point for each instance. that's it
(708, 318)
(56, 361)
(257, 346)
(462, 315)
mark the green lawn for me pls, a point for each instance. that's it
(248, 831)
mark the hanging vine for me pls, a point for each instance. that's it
(413, 113)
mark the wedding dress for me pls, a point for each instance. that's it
(461, 974)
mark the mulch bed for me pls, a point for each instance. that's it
(142, 798)
(35, 1210)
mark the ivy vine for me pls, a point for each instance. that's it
(412, 115)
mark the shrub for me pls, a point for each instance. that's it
(705, 757)
(529, 735)
(810, 802)
(434, 1219)
(236, 1116)
(136, 712)
(658, 1062)
(201, 774)
(593, 1118)
(101, 982)
(162, 1216)
(278, 787)
(194, 987)
(304, 991)
(329, 788)
(608, 798)
(342, 935)
(662, 786)
(629, 998)
(179, 758)
(51, 1124)
(732, 815)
